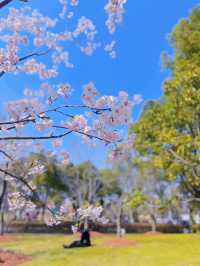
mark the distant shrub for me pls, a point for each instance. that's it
(196, 228)
(40, 227)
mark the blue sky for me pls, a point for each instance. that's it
(140, 40)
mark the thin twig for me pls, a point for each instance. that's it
(6, 155)
(4, 3)
(36, 138)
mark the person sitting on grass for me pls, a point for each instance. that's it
(85, 215)
(84, 241)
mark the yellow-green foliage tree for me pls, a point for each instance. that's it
(168, 131)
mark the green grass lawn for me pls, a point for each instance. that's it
(157, 250)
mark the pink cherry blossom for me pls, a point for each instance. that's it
(115, 11)
(27, 38)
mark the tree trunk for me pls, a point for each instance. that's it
(90, 191)
(118, 223)
(1, 207)
(44, 207)
(118, 220)
(43, 212)
(192, 220)
(2, 223)
(135, 216)
(191, 213)
(153, 223)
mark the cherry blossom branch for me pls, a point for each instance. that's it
(85, 134)
(33, 54)
(36, 138)
(27, 57)
(96, 110)
(25, 120)
(38, 202)
(6, 155)
(62, 113)
(54, 136)
(56, 109)
(35, 198)
(6, 2)
(21, 179)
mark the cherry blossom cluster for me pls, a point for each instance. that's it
(109, 48)
(13, 150)
(101, 118)
(117, 111)
(106, 114)
(65, 8)
(20, 109)
(123, 152)
(29, 28)
(15, 30)
(36, 170)
(52, 219)
(115, 11)
(17, 202)
(91, 212)
(67, 213)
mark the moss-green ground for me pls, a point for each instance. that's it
(149, 250)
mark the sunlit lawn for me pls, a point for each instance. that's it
(157, 250)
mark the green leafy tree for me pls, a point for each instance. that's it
(118, 184)
(83, 182)
(168, 131)
(50, 184)
(153, 197)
